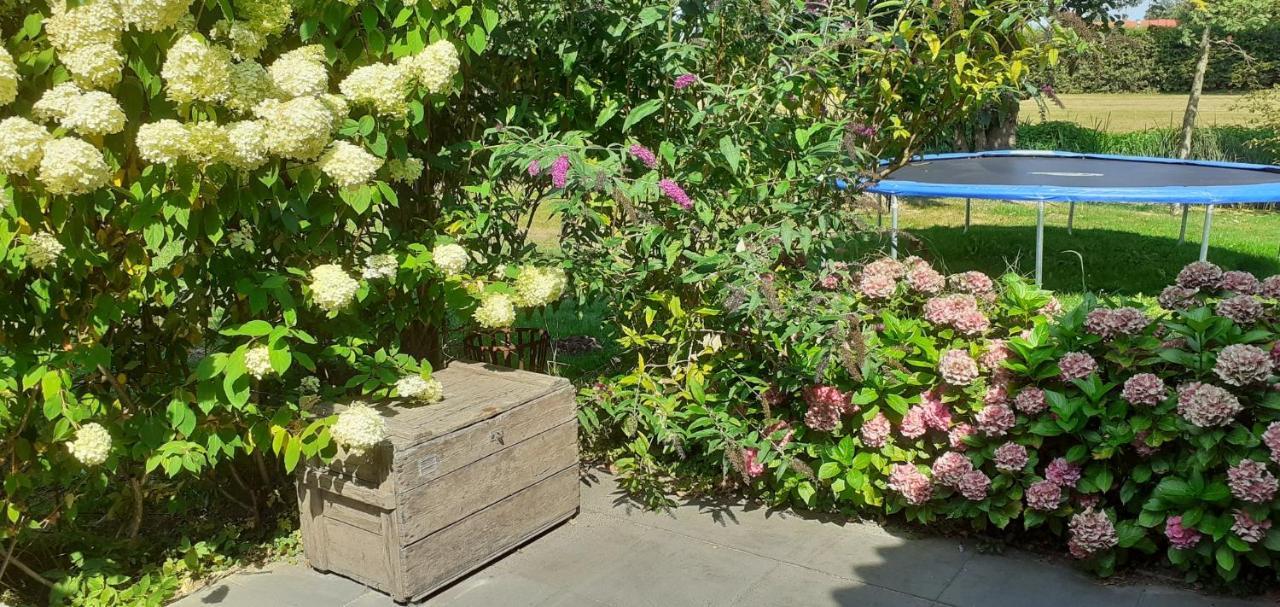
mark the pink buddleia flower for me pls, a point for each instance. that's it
(1180, 537)
(684, 81)
(676, 193)
(644, 155)
(560, 172)
(535, 168)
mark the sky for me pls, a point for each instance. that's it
(1138, 11)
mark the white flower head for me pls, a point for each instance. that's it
(55, 102)
(249, 86)
(349, 165)
(434, 67)
(207, 143)
(380, 266)
(247, 140)
(331, 287)
(299, 128)
(414, 387)
(539, 286)
(92, 445)
(94, 65)
(153, 15)
(258, 362)
(408, 170)
(8, 77)
(21, 145)
(380, 86)
(195, 70)
(301, 72)
(71, 27)
(94, 114)
(71, 166)
(452, 259)
(359, 428)
(43, 249)
(162, 142)
(496, 311)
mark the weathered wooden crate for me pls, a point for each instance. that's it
(458, 483)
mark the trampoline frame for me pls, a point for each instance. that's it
(1209, 196)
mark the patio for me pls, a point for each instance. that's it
(616, 554)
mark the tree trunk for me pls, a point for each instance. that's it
(1193, 102)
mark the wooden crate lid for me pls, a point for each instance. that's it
(472, 393)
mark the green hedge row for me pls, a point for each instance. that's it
(1229, 143)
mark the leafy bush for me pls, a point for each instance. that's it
(1229, 143)
(888, 388)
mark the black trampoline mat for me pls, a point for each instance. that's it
(1073, 172)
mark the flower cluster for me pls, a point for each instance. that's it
(332, 288)
(995, 420)
(1199, 275)
(1251, 481)
(359, 428)
(1011, 457)
(380, 266)
(1242, 365)
(957, 368)
(875, 431)
(1241, 309)
(1091, 532)
(451, 258)
(1077, 365)
(1206, 405)
(92, 444)
(349, 165)
(1031, 400)
(826, 405)
(496, 311)
(1248, 528)
(8, 78)
(1110, 323)
(959, 311)
(644, 155)
(539, 286)
(973, 283)
(1062, 473)
(258, 362)
(1044, 496)
(1144, 389)
(672, 190)
(1180, 536)
(910, 483)
(43, 249)
(414, 387)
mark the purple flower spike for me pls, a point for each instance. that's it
(676, 193)
(644, 155)
(535, 168)
(684, 81)
(560, 172)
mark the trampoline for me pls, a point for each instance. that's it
(1044, 177)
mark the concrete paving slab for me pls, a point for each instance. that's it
(1015, 578)
(793, 586)
(918, 566)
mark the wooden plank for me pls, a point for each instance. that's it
(315, 544)
(358, 554)
(420, 463)
(325, 481)
(451, 498)
(472, 394)
(471, 543)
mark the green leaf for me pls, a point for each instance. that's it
(731, 152)
(641, 112)
(292, 454)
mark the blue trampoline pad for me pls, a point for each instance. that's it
(1067, 177)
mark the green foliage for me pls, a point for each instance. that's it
(1229, 143)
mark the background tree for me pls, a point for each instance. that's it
(1100, 11)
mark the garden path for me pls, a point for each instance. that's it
(715, 554)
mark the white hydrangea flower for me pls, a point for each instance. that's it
(301, 72)
(349, 165)
(496, 311)
(359, 428)
(380, 266)
(258, 362)
(248, 144)
(8, 77)
(43, 250)
(21, 145)
(195, 70)
(92, 445)
(300, 127)
(452, 259)
(95, 65)
(435, 67)
(153, 15)
(94, 114)
(380, 86)
(338, 109)
(269, 17)
(72, 166)
(539, 286)
(414, 387)
(55, 102)
(331, 287)
(93, 22)
(408, 170)
(250, 85)
(162, 142)
(208, 143)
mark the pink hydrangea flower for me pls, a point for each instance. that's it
(971, 323)
(997, 394)
(910, 483)
(973, 485)
(829, 282)
(1144, 389)
(676, 193)
(996, 353)
(1077, 365)
(1206, 405)
(1052, 308)
(1242, 365)
(957, 368)
(1011, 457)
(1248, 528)
(925, 280)
(949, 467)
(974, 283)
(1251, 481)
(560, 172)
(1044, 496)
(644, 155)
(684, 81)
(875, 431)
(1140, 446)
(1174, 297)
(1270, 287)
(1199, 275)
(887, 266)
(1241, 309)
(826, 404)
(1062, 473)
(877, 285)
(1031, 401)
(1091, 532)
(936, 414)
(913, 423)
(1120, 322)
(779, 427)
(957, 311)
(751, 465)
(1238, 282)
(995, 420)
(1180, 537)
(956, 437)
(1271, 438)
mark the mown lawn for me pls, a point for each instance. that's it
(1121, 113)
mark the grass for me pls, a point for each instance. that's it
(1121, 113)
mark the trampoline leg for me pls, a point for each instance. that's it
(1071, 218)
(1040, 244)
(1182, 233)
(1204, 238)
(879, 212)
(968, 204)
(893, 226)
